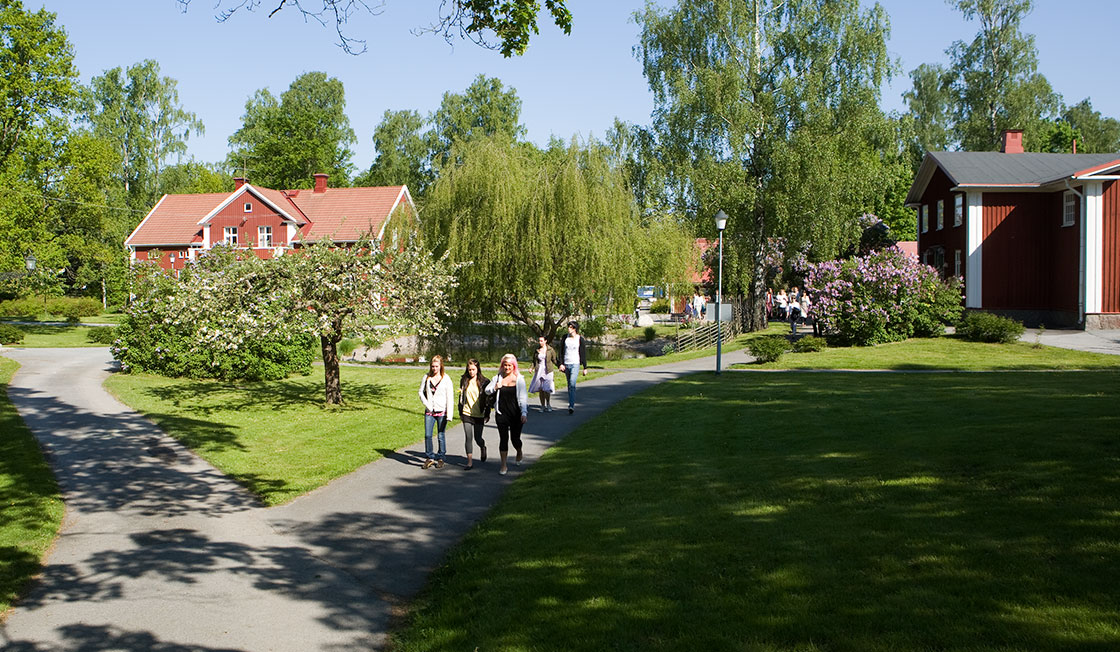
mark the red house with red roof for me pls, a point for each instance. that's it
(1035, 236)
(267, 222)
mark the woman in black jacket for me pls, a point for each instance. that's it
(474, 408)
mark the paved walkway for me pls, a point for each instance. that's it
(159, 551)
(1091, 341)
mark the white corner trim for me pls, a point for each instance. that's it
(1092, 213)
(974, 245)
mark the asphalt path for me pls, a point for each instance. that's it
(159, 551)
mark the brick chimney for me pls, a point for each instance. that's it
(238, 182)
(320, 182)
(1012, 141)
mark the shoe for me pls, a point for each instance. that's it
(501, 471)
(570, 410)
(468, 467)
(439, 464)
(482, 456)
(518, 459)
(548, 408)
(428, 463)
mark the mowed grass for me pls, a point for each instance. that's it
(30, 505)
(45, 336)
(808, 512)
(277, 438)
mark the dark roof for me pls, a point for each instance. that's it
(997, 169)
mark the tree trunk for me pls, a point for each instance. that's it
(331, 374)
(104, 296)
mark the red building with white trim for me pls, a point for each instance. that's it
(1034, 236)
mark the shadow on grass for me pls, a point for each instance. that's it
(808, 512)
(206, 397)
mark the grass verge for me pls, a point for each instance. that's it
(43, 336)
(806, 512)
(30, 505)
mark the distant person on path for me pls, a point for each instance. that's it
(697, 306)
(573, 357)
(783, 304)
(511, 403)
(769, 303)
(794, 309)
(543, 383)
(437, 393)
(474, 410)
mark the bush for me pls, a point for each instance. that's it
(660, 307)
(102, 335)
(10, 334)
(882, 297)
(809, 344)
(669, 349)
(346, 346)
(649, 334)
(986, 327)
(591, 328)
(27, 308)
(768, 348)
(73, 308)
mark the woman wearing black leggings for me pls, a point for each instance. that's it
(511, 407)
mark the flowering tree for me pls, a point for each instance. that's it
(885, 296)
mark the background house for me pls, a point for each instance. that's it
(265, 221)
(1034, 236)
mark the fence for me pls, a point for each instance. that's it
(704, 336)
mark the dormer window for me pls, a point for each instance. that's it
(248, 207)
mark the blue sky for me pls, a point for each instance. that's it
(568, 85)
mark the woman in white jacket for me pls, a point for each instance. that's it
(511, 405)
(437, 393)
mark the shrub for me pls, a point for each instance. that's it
(660, 307)
(10, 334)
(882, 297)
(669, 349)
(102, 335)
(73, 308)
(346, 346)
(986, 327)
(809, 344)
(768, 348)
(29, 308)
(649, 334)
(591, 328)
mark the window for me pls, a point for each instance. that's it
(925, 218)
(940, 214)
(958, 210)
(248, 207)
(957, 263)
(229, 236)
(264, 236)
(1070, 208)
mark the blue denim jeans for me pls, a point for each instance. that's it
(435, 423)
(573, 376)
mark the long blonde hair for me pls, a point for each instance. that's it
(442, 369)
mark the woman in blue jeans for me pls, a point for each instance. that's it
(437, 393)
(573, 358)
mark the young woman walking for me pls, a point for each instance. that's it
(543, 384)
(437, 393)
(474, 410)
(511, 407)
(573, 357)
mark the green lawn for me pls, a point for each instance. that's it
(830, 511)
(277, 438)
(42, 336)
(942, 353)
(30, 505)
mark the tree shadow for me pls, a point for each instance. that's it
(208, 397)
(95, 638)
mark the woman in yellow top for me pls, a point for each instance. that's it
(474, 408)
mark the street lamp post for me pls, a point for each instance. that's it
(721, 224)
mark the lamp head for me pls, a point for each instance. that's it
(721, 221)
(30, 261)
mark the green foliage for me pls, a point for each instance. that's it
(73, 308)
(402, 154)
(544, 235)
(768, 348)
(668, 349)
(660, 307)
(487, 109)
(102, 335)
(649, 334)
(985, 327)
(346, 346)
(10, 334)
(593, 328)
(28, 308)
(809, 344)
(1099, 134)
(287, 140)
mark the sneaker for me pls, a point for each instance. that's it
(501, 471)
(548, 408)
(428, 463)
(570, 410)
(439, 464)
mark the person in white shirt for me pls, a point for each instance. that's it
(437, 393)
(573, 357)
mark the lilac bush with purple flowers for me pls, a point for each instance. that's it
(885, 296)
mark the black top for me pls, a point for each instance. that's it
(507, 402)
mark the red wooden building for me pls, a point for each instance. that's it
(1034, 236)
(267, 222)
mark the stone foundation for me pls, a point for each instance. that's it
(1102, 321)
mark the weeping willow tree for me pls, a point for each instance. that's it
(546, 235)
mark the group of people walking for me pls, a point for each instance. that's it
(505, 395)
(793, 307)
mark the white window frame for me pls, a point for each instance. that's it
(1071, 206)
(248, 207)
(229, 235)
(940, 214)
(925, 218)
(958, 209)
(957, 263)
(264, 236)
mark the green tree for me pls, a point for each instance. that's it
(139, 112)
(1098, 134)
(512, 22)
(284, 141)
(769, 111)
(543, 235)
(486, 108)
(193, 177)
(402, 153)
(930, 120)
